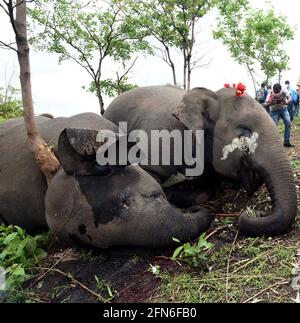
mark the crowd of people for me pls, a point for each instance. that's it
(281, 102)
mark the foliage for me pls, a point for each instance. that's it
(19, 252)
(254, 36)
(172, 23)
(87, 33)
(102, 286)
(10, 104)
(193, 254)
(112, 87)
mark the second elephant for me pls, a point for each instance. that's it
(241, 144)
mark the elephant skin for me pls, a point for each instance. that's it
(241, 144)
(86, 203)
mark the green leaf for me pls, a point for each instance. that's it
(177, 252)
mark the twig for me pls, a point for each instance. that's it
(216, 231)
(54, 265)
(77, 282)
(283, 282)
(228, 264)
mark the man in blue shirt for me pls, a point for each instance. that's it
(294, 99)
(261, 94)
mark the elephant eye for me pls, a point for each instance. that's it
(245, 131)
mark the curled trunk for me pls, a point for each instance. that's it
(175, 223)
(276, 172)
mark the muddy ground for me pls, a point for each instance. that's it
(236, 269)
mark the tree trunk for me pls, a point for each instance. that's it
(45, 158)
(171, 63)
(174, 74)
(184, 70)
(252, 77)
(279, 76)
(100, 98)
(189, 72)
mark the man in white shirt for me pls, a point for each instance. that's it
(278, 100)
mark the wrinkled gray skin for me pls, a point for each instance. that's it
(223, 116)
(86, 203)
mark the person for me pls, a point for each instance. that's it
(294, 98)
(278, 100)
(261, 94)
(297, 103)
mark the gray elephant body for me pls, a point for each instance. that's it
(86, 203)
(147, 109)
(241, 143)
(22, 185)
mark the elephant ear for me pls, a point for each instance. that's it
(198, 108)
(77, 151)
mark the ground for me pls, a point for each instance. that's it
(235, 269)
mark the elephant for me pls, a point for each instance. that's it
(85, 203)
(241, 145)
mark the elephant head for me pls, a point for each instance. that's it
(108, 206)
(244, 145)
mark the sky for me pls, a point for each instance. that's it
(57, 88)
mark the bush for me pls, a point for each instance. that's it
(10, 104)
(195, 255)
(19, 252)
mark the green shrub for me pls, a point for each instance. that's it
(10, 103)
(19, 252)
(193, 254)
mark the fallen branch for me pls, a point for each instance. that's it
(216, 231)
(54, 265)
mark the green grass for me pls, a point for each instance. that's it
(2, 119)
(255, 265)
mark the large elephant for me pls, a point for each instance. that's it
(241, 144)
(87, 203)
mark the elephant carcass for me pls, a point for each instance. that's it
(241, 143)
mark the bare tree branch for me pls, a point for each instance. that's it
(5, 10)
(7, 46)
(127, 71)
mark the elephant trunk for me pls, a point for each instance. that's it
(278, 176)
(175, 223)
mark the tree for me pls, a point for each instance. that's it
(88, 35)
(254, 37)
(16, 11)
(173, 24)
(10, 103)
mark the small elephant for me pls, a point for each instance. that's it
(86, 203)
(241, 144)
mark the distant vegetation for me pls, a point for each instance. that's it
(10, 103)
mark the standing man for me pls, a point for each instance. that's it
(278, 100)
(297, 104)
(294, 98)
(261, 94)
